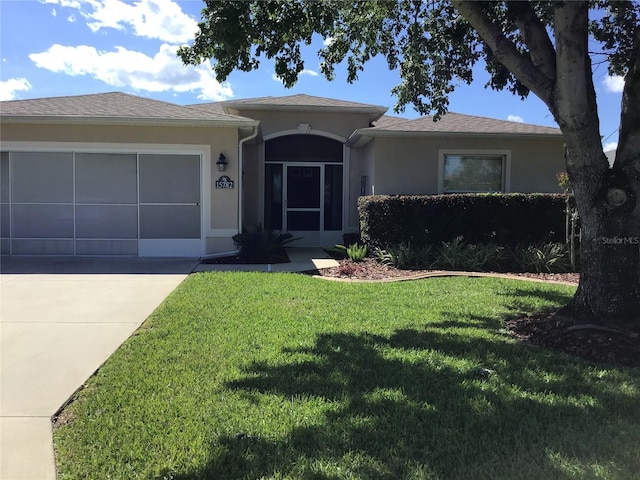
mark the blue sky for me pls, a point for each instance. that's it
(70, 47)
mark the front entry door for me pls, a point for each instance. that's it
(305, 199)
(303, 202)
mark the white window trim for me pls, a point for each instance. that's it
(506, 167)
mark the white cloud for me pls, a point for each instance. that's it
(614, 83)
(610, 146)
(8, 88)
(54, 13)
(327, 41)
(159, 19)
(71, 19)
(131, 69)
(515, 118)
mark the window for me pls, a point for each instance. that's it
(474, 172)
(303, 148)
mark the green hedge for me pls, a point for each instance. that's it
(505, 219)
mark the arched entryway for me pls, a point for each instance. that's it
(303, 191)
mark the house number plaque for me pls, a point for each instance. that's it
(224, 182)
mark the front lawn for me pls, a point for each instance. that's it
(256, 375)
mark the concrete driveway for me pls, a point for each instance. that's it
(60, 319)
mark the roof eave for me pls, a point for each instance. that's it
(367, 132)
(146, 121)
(374, 112)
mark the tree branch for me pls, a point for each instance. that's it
(629, 139)
(574, 90)
(574, 103)
(505, 51)
(536, 38)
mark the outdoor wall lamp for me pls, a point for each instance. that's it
(222, 162)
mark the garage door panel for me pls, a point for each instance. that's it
(4, 177)
(106, 178)
(169, 221)
(107, 221)
(169, 178)
(42, 177)
(106, 247)
(42, 221)
(65, 203)
(45, 246)
(5, 220)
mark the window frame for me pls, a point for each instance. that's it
(506, 165)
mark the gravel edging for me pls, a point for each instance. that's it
(441, 273)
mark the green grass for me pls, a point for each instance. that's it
(275, 376)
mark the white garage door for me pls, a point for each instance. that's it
(65, 203)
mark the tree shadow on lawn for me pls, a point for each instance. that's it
(412, 406)
(523, 297)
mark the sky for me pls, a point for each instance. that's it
(52, 48)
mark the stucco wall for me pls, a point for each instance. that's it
(222, 203)
(405, 165)
(362, 164)
(341, 124)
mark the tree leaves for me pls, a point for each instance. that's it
(430, 44)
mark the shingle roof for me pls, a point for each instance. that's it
(295, 102)
(215, 108)
(301, 100)
(112, 106)
(452, 123)
(387, 120)
(116, 106)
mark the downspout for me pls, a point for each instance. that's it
(241, 174)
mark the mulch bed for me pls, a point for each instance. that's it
(596, 343)
(618, 346)
(370, 269)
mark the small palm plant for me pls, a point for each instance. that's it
(355, 252)
(261, 244)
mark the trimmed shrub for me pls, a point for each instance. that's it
(503, 219)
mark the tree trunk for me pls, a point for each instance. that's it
(609, 288)
(608, 200)
(608, 205)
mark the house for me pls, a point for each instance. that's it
(117, 174)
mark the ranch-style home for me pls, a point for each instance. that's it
(117, 174)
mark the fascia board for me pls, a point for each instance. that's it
(73, 120)
(374, 112)
(405, 133)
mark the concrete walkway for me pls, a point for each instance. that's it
(60, 319)
(301, 259)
